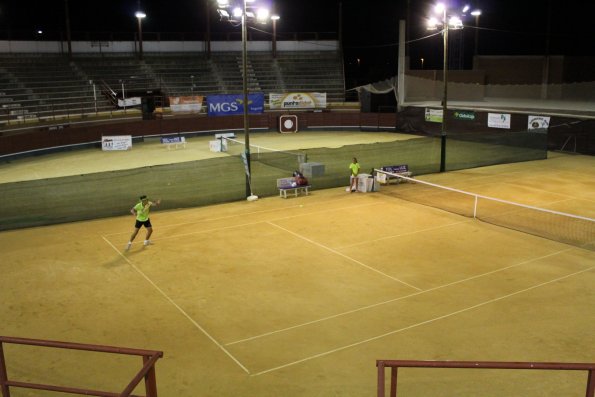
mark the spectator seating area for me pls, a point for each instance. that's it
(43, 87)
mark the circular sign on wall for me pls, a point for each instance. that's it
(288, 123)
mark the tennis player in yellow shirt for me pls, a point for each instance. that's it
(141, 211)
(354, 167)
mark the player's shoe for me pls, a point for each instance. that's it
(128, 246)
(148, 242)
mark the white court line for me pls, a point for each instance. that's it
(344, 256)
(242, 215)
(212, 219)
(197, 325)
(237, 225)
(420, 323)
(396, 299)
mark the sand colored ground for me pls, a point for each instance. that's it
(299, 297)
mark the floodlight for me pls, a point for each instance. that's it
(455, 22)
(275, 17)
(262, 14)
(250, 14)
(237, 12)
(223, 13)
(432, 23)
(140, 14)
(476, 13)
(466, 8)
(223, 3)
(440, 7)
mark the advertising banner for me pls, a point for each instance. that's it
(538, 123)
(298, 100)
(192, 104)
(499, 120)
(464, 115)
(232, 104)
(433, 115)
(116, 142)
(128, 102)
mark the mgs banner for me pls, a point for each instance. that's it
(232, 104)
(185, 103)
(298, 100)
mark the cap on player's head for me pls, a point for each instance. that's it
(143, 197)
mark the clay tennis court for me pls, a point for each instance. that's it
(299, 297)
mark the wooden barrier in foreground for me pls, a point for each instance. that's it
(147, 371)
(394, 365)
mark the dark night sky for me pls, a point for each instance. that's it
(507, 27)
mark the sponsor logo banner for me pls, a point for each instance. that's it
(499, 120)
(116, 142)
(232, 104)
(433, 115)
(133, 101)
(173, 139)
(538, 123)
(297, 100)
(185, 103)
(464, 115)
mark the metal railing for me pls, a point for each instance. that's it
(394, 365)
(147, 371)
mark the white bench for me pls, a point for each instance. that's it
(401, 170)
(287, 185)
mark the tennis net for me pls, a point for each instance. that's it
(554, 225)
(285, 160)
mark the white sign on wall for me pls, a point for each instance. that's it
(132, 101)
(433, 115)
(499, 120)
(538, 123)
(116, 142)
(297, 100)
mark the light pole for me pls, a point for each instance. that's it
(241, 12)
(476, 14)
(139, 16)
(274, 18)
(454, 22)
(123, 96)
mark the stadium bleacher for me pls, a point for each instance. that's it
(40, 87)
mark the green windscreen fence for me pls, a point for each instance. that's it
(222, 179)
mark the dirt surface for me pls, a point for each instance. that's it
(299, 297)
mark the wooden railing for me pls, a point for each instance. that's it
(395, 364)
(147, 371)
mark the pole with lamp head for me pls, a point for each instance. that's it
(447, 23)
(245, 103)
(242, 13)
(445, 95)
(476, 14)
(139, 16)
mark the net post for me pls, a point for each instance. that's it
(591, 384)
